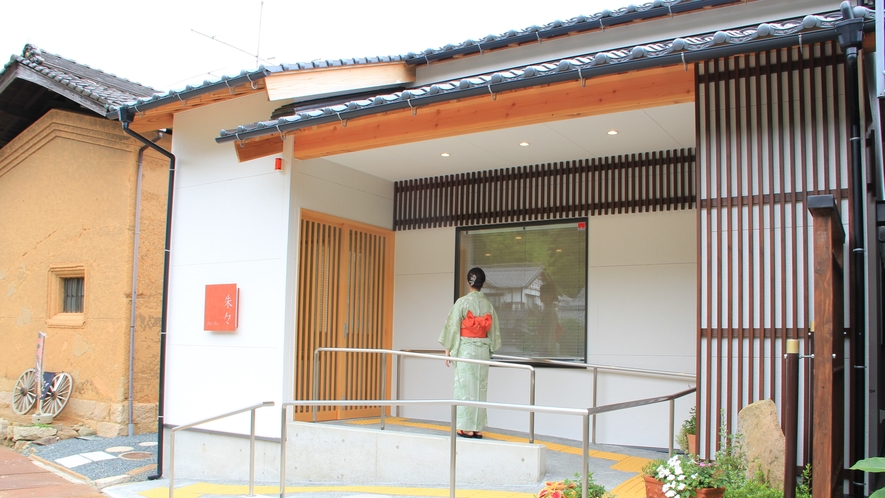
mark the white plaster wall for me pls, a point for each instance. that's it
(642, 313)
(238, 223)
(229, 225)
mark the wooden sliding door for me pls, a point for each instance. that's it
(345, 300)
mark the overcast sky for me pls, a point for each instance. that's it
(161, 43)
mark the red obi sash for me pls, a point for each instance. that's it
(476, 327)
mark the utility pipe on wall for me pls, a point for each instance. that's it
(135, 246)
(850, 35)
(126, 115)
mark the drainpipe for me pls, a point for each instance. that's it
(126, 116)
(850, 31)
(135, 280)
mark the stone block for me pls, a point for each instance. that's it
(144, 412)
(4, 425)
(100, 413)
(67, 433)
(32, 433)
(118, 413)
(111, 481)
(763, 441)
(85, 430)
(80, 408)
(108, 429)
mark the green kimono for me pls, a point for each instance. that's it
(471, 380)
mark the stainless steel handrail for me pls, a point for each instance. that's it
(586, 413)
(610, 368)
(399, 354)
(204, 421)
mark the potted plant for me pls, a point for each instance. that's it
(572, 489)
(688, 476)
(687, 437)
(653, 487)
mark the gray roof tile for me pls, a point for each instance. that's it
(686, 49)
(104, 88)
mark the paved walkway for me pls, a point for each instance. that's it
(617, 468)
(21, 478)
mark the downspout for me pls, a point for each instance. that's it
(135, 281)
(850, 31)
(126, 116)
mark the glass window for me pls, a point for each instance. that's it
(73, 295)
(536, 277)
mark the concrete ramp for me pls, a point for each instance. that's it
(335, 453)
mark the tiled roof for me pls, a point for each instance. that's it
(104, 89)
(582, 23)
(601, 20)
(677, 51)
(512, 276)
(244, 77)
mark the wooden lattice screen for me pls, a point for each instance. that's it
(771, 130)
(345, 300)
(654, 181)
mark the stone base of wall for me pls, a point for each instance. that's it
(105, 419)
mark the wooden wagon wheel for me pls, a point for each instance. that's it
(54, 401)
(25, 393)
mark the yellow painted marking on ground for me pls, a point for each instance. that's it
(631, 488)
(200, 489)
(631, 464)
(490, 435)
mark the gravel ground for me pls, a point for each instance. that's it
(110, 467)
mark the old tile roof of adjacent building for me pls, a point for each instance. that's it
(35, 82)
(680, 50)
(104, 88)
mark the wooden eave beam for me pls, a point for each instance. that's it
(541, 104)
(162, 116)
(324, 82)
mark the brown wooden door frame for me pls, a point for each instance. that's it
(345, 299)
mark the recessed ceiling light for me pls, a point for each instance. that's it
(488, 254)
(524, 144)
(612, 132)
(445, 154)
(559, 250)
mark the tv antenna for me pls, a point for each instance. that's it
(258, 48)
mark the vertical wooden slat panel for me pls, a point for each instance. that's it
(728, 96)
(708, 237)
(762, 151)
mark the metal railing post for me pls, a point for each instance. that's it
(383, 386)
(585, 455)
(316, 381)
(595, 385)
(283, 436)
(672, 421)
(398, 379)
(171, 463)
(532, 414)
(212, 419)
(252, 455)
(453, 415)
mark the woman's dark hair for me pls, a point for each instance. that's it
(476, 278)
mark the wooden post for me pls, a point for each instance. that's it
(791, 415)
(829, 362)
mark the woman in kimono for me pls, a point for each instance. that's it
(471, 331)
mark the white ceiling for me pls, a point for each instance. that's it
(646, 130)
